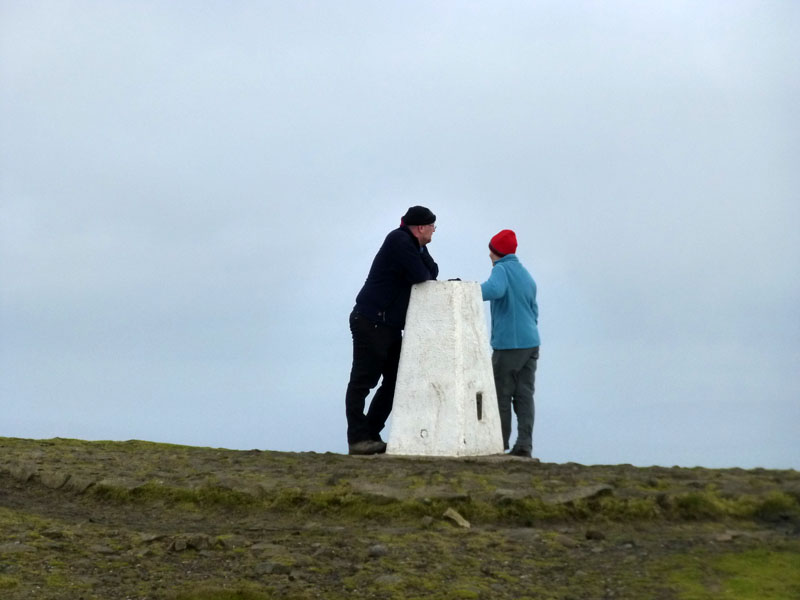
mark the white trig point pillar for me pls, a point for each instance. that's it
(445, 403)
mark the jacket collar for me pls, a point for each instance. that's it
(411, 235)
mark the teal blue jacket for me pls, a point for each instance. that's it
(515, 315)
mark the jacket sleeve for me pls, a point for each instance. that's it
(431, 265)
(411, 262)
(495, 287)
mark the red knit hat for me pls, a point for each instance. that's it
(504, 243)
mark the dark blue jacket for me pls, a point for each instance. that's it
(399, 264)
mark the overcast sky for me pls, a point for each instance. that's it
(191, 194)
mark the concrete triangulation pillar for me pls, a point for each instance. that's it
(445, 403)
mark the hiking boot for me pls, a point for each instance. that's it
(367, 447)
(377, 438)
(522, 452)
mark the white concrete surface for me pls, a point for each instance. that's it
(445, 402)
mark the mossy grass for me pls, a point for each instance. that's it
(321, 518)
(760, 574)
(8, 582)
(343, 502)
(205, 592)
(206, 495)
(711, 505)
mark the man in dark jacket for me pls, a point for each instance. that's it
(377, 322)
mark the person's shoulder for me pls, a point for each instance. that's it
(398, 232)
(513, 262)
(499, 268)
(507, 261)
(399, 236)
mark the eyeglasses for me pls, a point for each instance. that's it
(432, 225)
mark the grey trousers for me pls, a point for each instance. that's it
(514, 377)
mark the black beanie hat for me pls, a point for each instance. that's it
(418, 215)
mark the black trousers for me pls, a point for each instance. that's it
(376, 353)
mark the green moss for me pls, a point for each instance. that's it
(656, 483)
(699, 505)
(208, 495)
(289, 498)
(16, 518)
(190, 489)
(777, 506)
(710, 505)
(754, 575)
(463, 593)
(342, 501)
(623, 509)
(57, 580)
(8, 582)
(239, 593)
(530, 510)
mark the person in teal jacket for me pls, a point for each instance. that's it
(511, 292)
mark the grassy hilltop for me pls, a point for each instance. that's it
(138, 520)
